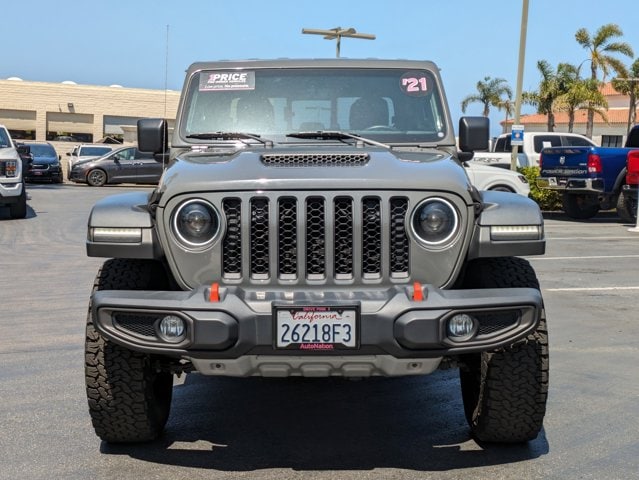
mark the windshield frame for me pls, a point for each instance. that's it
(387, 70)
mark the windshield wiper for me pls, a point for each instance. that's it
(336, 135)
(231, 136)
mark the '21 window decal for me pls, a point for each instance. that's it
(415, 83)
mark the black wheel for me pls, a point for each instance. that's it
(505, 391)
(19, 209)
(129, 397)
(580, 207)
(96, 177)
(627, 208)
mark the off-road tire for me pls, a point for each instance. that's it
(19, 209)
(96, 177)
(505, 390)
(580, 207)
(129, 398)
(627, 208)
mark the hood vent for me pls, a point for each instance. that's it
(316, 160)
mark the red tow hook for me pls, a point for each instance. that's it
(418, 293)
(214, 292)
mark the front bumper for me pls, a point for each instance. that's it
(77, 175)
(10, 191)
(584, 185)
(234, 335)
(49, 173)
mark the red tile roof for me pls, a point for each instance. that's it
(616, 115)
(608, 90)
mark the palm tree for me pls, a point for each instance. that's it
(508, 106)
(628, 84)
(489, 92)
(544, 97)
(600, 47)
(582, 92)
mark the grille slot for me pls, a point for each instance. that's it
(399, 247)
(343, 237)
(232, 243)
(315, 160)
(371, 237)
(315, 237)
(287, 237)
(259, 238)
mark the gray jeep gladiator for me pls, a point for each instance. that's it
(315, 220)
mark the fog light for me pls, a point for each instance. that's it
(461, 327)
(172, 328)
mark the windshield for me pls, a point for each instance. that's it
(388, 105)
(94, 151)
(4, 139)
(41, 150)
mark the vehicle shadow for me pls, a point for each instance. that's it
(239, 425)
(5, 213)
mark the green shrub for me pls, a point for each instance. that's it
(546, 199)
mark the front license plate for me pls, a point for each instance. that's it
(316, 328)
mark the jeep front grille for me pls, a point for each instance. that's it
(315, 237)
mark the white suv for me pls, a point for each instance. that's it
(12, 191)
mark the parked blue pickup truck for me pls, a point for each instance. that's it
(590, 178)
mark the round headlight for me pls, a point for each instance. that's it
(196, 223)
(435, 221)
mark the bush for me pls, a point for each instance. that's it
(546, 199)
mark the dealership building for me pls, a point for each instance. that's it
(69, 113)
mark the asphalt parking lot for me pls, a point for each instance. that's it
(301, 428)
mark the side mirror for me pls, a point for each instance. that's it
(153, 135)
(474, 133)
(24, 149)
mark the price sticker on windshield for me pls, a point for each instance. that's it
(226, 81)
(416, 84)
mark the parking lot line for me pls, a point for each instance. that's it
(592, 238)
(589, 289)
(592, 257)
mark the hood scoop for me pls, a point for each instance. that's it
(316, 160)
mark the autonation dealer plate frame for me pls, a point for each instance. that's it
(315, 327)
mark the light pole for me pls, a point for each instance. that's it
(520, 76)
(337, 33)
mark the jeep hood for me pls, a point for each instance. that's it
(247, 170)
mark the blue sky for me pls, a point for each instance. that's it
(124, 42)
